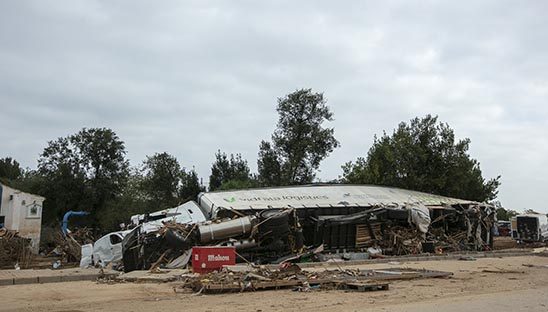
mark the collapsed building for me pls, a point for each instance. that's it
(272, 224)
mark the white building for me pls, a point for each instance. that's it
(21, 212)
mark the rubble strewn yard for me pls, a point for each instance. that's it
(301, 248)
(503, 284)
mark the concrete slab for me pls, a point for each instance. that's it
(162, 276)
(6, 281)
(79, 277)
(49, 279)
(19, 277)
(25, 280)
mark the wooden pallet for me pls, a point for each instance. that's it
(232, 287)
(279, 284)
(366, 286)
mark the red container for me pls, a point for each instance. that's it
(209, 259)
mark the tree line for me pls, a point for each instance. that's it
(89, 171)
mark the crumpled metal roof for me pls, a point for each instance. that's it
(319, 196)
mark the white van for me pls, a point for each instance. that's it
(108, 248)
(105, 250)
(529, 227)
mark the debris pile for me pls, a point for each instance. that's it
(400, 240)
(264, 237)
(14, 250)
(276, 235)
(463, 228)
(68, 247)
(168, 246)
(291, 276)
(401, 230)
(82, 235)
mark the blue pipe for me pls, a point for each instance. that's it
(67, 215)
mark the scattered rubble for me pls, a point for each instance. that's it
(291, 276)
(15, 251)
(278, 235)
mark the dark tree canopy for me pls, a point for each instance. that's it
(190, 185)
(165, 184)
(504, 214)
(88, 171)
(423, 156)
(10, 169)
(84, 170)
(162, 175)
(225, 169)
(299, 143)
(270, 171)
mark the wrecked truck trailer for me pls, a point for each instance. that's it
(260, 238)
(266, 225)
(355, 217)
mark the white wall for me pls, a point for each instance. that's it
(23, 213)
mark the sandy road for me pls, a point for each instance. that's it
(469, 289)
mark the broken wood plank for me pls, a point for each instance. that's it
(502, 271)
(366, 286)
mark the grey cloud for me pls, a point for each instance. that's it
(190, 78)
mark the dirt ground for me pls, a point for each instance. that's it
(469, 288)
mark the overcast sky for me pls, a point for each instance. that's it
(192, 77)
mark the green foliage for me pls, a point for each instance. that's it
(88, 171)
(423, 156)
(270, 169)
(10, 169)
(239, 184)
(131, 201)
(226, 169)
(190, 186)
(299, 142)
(505, 215)
(165, 184)
(162, 175)
(83, 172)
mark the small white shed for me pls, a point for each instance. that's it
(21, 212)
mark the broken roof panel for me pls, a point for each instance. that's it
(318, 196)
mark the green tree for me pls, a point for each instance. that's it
(10, 169)
(423, 156)
(270, 168)
(26, 180)
(131, 201)
(504, 214)
(162, 176)
(299, 143)
(190, 185)
(83, 171)
(225, 169)
(66, 181)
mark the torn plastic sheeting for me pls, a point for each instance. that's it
(86, 260)
(181, 261)
(419, 216)
(351, 218)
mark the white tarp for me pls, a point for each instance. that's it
(317, 196)
(419, 215)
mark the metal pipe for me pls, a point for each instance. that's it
(67, 215)
(226, 229)
(241, 244)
